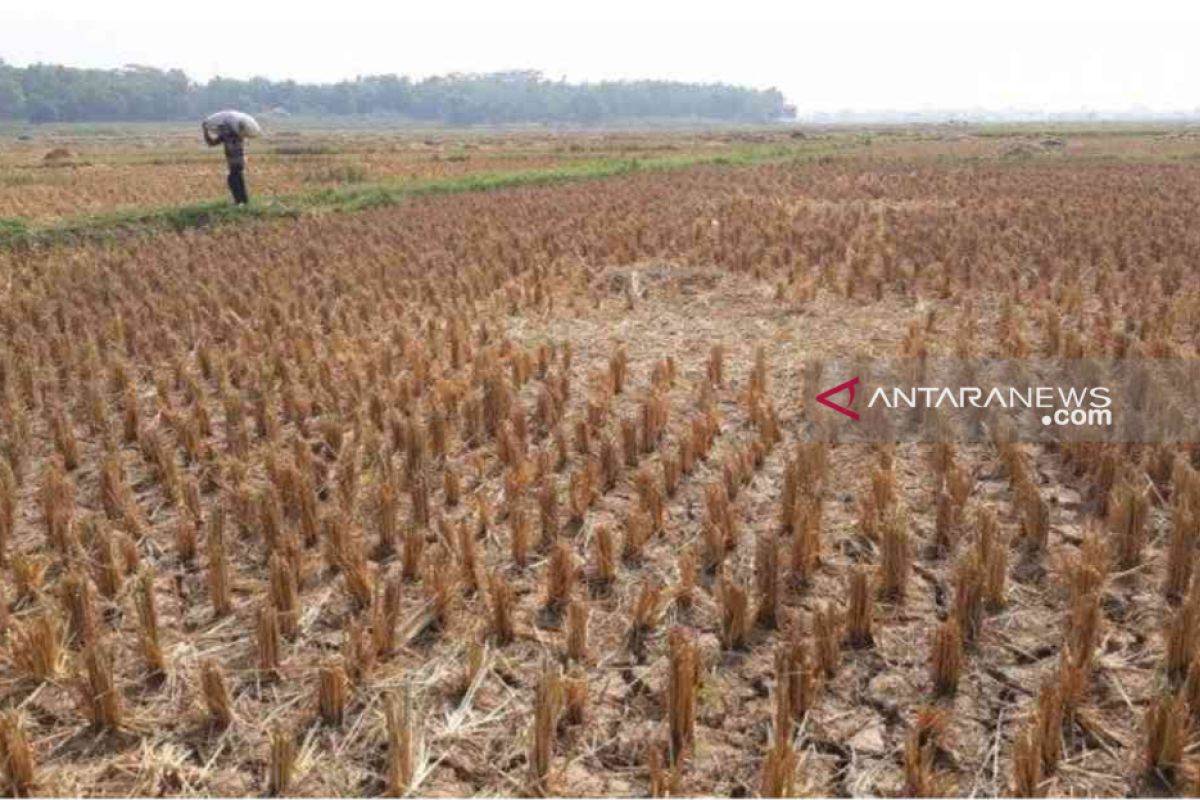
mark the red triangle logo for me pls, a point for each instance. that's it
(823, 398)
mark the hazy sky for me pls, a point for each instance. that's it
(823, 56)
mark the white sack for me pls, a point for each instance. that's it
(240, 121)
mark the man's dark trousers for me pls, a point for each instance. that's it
(237, 184)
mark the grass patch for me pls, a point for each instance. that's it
(139, 221)
(12, 230)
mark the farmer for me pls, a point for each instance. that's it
(235, 157)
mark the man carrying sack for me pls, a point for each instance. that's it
(231, 129)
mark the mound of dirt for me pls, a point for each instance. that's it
(58, 155)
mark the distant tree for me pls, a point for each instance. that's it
(46, 93)
(12, 96)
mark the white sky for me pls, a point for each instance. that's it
(864, 55)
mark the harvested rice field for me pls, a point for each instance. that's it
(526, 491)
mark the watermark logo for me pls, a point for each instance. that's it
(848, 386)
(1069, 405)
(1034, 400)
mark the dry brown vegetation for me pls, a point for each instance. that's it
(517, 493)
(168, 164)
(171, 170)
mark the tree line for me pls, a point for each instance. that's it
(53, 93)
